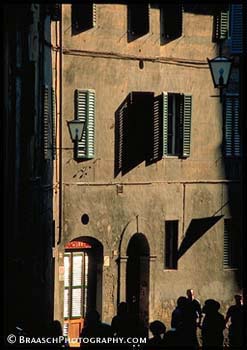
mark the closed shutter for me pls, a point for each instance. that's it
(236, 29)
(85, 111)
(46, 123)
(165, 122)
(231, 125)
(231, 245)
(76, 299)
(138, 19)
(75, 284)
(67, 273)
(53, 109)
(227, 243)
(236, 129)
(187, 110)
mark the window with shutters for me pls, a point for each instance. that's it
(171, 244)
(138, 20)
(83, 16)
(231, 126)
(171, 21)
(236, 29)
(75, 284)
(221, 24)
(230, 245)
(171, 126)
(132, 122)
(85, 111)
(149, 127)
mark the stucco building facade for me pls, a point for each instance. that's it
(150, 197)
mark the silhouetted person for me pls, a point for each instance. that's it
(182, 318)
(158, 329)
(56, 331)
(123, 323)
(235, 314)
(213, 325)
(194, 308)
(195, 304)
(94, 329)
(127, 325)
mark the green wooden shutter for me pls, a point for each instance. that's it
(90, 128)
(53, 108)
(120, 119)
(165, 122)
(85, 111)
(236, 29)
(221, 25)
(46, 112)
(224, 24)
(231, 125)
(227, 245)
(187, 125)
(155, 149)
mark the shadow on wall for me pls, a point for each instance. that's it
(197, 228)
(132, 141)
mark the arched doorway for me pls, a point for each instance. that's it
(83, 264)
(137, 277)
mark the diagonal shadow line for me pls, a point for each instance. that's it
(197, 228)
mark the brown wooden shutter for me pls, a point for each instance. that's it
(138, 19)
(83, 16)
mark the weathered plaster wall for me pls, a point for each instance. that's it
(157, 192)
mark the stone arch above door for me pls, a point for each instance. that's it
(137, 225)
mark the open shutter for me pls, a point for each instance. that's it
(90, 128)
(171, 17)
(120, 139)
(236, 29)
(187, 125)
(221, 25)
(46, 123)
(165, 122)
(83, 16)
(231, 125)
(138, 19)
(85, 111)
(155, 131)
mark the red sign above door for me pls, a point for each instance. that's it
(77, 245)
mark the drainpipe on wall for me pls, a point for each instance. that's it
(60, 205)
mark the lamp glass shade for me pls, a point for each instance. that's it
(76, 128)
(220, 68)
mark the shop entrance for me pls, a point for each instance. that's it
(137, 277)
(82, 283)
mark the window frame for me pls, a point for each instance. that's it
(171, 245)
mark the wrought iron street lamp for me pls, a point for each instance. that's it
(220, 68)
(76, 128)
